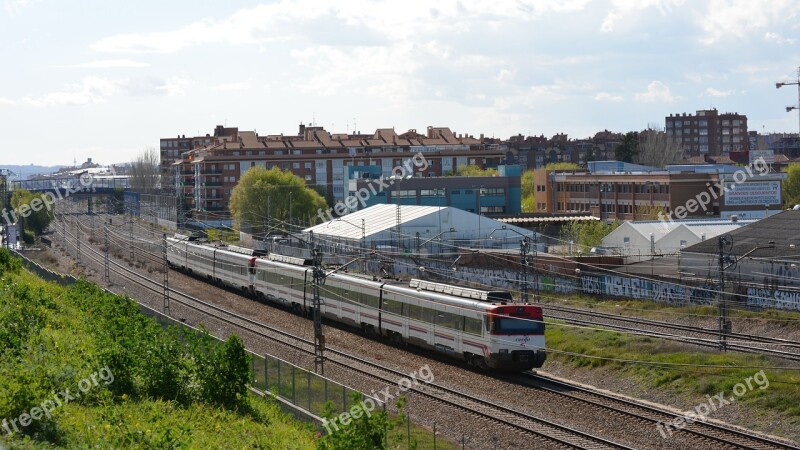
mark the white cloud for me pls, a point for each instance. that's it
(627, 11)
(711, 92)
(14, 7)
(606, 97)
(235, 86)
(106, 64)
(777, 38)
(724, 19)
(93, 90)
(90, 90)
(657, 92)
(396, 21)
(505, 75)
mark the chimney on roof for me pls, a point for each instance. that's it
(302, 131)
(481, 136)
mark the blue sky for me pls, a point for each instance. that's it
(106, 79)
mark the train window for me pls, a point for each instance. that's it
(449, 320)
(429, 315)
(472, 326)
(370, 300)
(393, 307)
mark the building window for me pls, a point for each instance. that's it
(405, 193)
(494, 191)
(308, 166)
(295, 165)
(431, 193)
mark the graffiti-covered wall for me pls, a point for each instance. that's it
(617, 286)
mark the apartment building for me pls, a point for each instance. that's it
(206, 175)
(709, 132)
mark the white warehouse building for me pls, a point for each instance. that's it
(639, 241)
(409, 228)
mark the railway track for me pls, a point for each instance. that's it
(746, 343)
(735, 341)
(485, 411)
(712, 433)
(544, 432)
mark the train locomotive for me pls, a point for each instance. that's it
(487, 329)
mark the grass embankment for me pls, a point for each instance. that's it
(649, 309)
(83, 368)
(677, 370)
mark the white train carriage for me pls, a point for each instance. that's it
(284, 280)
(485, 328)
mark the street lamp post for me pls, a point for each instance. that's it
(797, 106)
(601, 187)
(290, 211)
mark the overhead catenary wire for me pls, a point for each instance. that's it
(576, 354)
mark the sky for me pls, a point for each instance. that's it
(106, 79)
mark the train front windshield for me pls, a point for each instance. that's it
(507, 325)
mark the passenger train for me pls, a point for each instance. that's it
(487, 329)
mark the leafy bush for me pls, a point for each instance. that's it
(52, 338)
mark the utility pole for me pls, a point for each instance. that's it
(5, 202)
(535, 273)
(725, 244)
(524, 248)
(166, 276)
(105, 262)
(319, 336)
(130, 236)
(77, 241)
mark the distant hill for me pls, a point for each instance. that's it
(23, 172)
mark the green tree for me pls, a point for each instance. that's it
(32, 210)
(587, 234)
(367, 431)
(628, 148)
(791, 186)
(528, 192)
(259, 188)
(473, 170)
(562, 166)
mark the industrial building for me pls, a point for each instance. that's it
(498, 194)
(409, 229)
(618, 190)
(644, 240)
(767, 255)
